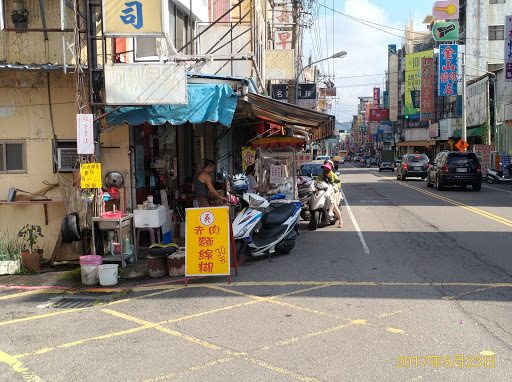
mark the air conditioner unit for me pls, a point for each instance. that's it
(67, 159)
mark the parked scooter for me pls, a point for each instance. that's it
(305, 190)
(495, 175)
(264, 227)
(320, 204)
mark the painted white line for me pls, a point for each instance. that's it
(356, 226)
(499, 189)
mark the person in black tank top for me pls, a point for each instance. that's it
(203, 185)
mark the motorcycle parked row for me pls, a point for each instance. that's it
(497, 176)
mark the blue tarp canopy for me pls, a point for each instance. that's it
(206, 103)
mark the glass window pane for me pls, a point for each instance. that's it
(172, 22)
(146, 47)
(14, 152)
(2, 168)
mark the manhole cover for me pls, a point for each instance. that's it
(374, 202)
(72, 302)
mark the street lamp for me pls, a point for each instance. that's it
(341, 54)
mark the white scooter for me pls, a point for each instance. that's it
(495, 175)
(263, 228)
(320, 205)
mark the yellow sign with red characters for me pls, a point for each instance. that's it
(90, 175)
(207, 242)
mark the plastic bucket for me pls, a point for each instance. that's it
(91, 260)
(108, 274)
(168, 238)
(89, 274)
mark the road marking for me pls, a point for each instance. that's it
(18, 367)
(190, 369)
(356, 226)
(34, 291)
(397, 331)
(454, 202)
(277, 369)
(467, 293)
(498, 189)
(79, 342)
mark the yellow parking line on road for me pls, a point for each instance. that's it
(28, 293)
(79, 342)
(18, 367)
(467, 293)
(478, 211)
(190, 369)
(280, 370)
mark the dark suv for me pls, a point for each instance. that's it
(412, 165)
(455, 168)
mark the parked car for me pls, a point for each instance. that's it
(383, 166)
(455, 168)
(323, 157)
(412, 165)
(314, 168)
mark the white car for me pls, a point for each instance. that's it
(323, 157)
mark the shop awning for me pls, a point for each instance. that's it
(320, 125)
(206, 103)
(417, 143)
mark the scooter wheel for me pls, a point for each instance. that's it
(240, 249)
(286, 246)
(489, 180)
(315, 217)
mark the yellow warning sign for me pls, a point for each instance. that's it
(90, 175)
(462, 145)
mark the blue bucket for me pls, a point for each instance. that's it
(168, 238)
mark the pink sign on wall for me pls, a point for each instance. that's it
(446, 10)
(427, 89)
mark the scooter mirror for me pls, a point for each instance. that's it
(337, 181)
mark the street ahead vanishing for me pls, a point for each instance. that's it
(416, 286)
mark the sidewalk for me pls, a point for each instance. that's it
(67, 276)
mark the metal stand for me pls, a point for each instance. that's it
(117, 225)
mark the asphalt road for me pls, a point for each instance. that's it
(416, 286)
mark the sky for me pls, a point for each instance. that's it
(364, 66)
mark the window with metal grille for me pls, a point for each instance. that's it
(13, 157)
(496, 32)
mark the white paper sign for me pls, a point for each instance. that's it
(276, 174)
(84, 134)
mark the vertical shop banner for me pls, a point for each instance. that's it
(508, 48)
(207, 241)
(483, 153)
(283, 15)
(280, 92)
(391, 49)
(283, 40)
(432, 130)
(427, 89)
(140, 173)
(477, 102)
(413, 83)
(90, 175)
(85, 134)
(306, 95)
(393, 87)
(376, 98)
(448, 69)
(248, 157)
(505, 161)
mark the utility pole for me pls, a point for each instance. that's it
(464, 130)
(293, 84)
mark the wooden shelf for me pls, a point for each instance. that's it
(28, 202)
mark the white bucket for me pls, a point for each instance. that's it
(108, 274)
(89, 274)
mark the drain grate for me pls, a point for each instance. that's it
(72, 302)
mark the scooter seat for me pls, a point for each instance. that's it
(279, 215)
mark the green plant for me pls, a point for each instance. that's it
(11, 246)
(30, 234)
(485, 133)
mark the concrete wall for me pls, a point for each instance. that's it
(29, 47)
(25, 115)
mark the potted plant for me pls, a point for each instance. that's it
(10, 253)
(31, 255)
